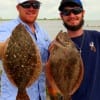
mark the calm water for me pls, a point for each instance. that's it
(54, 26)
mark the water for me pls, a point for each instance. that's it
(54, 26)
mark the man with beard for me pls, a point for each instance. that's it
(88, 44)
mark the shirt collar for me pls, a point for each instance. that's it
(28, 28)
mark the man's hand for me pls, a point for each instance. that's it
(2, 46)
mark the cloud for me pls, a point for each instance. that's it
(8, 9)
(92, 9)
(49, 9)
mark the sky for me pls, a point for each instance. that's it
(49, 9)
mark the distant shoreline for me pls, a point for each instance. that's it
(37, 19)
(1, 19)
(87, 24)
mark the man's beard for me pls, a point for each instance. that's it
(74, 28)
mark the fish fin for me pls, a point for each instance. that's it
(52, 88)
(79, 79)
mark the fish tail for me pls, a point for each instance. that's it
(22, 95)
(67, 97)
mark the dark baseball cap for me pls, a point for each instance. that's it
(65, 3)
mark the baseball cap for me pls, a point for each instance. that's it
(65, 3)
(22, 1)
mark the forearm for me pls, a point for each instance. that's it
(1, 49)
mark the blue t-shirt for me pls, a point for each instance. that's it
(90, 86)
(38, 89)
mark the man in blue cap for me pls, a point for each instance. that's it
(88, 44)
(70, 2)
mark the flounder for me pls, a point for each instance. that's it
(64, 68)
(21, 60)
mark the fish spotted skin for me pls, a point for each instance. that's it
(64, 69)
(22, 61)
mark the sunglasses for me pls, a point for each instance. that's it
(35, 4)
(75, 11)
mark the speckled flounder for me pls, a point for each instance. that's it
(21, 60)
(64, 69)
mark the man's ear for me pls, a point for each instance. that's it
(83, 13)
(61, 16)
(17, 7)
